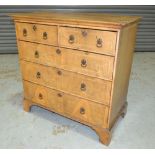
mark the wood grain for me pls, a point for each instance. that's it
(86, 110)
(66, 104)
(44, 96)
(86, 39)
(37, 35)
(77, 65)
(68, 59)
(96, 90)
(122, 71)
(106, 20)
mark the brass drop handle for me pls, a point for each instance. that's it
(84, 33)
(40, 96)
(34, 28)
(24, 32)
(83, 63)
(83, 87)
(58, 51)
(71, 39)
(36, 54)
(82, 111)
(45, 35)
(59, 72)
(99, 42)
(38, 75)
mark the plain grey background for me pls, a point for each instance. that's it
(145, 37)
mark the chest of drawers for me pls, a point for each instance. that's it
(77, 65)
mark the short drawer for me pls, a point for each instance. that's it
(46, 34)
(46, 97)
(77, 61)
(94, 89)
(68, 105)
(98, 41)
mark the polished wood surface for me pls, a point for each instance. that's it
(90, 88)
(37, 33)
(67, 104)
(68, 59)
(123, 65)
(107, 20)
(85, 110)
(77, 65)
(44, 96)
(103, 42)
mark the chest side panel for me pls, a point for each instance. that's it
(122, 70)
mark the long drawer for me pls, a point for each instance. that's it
(98, 41)
(67, 105)
(37, 33)
(100, 66)
(94, 89)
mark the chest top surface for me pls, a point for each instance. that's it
(118, 21)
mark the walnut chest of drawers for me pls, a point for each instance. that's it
(77, 65)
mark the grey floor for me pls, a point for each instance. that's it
(44, 129)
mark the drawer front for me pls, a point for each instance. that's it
(38, 53)
(37, 33)
(94, 89)
(98, 41)
(40, 74)
(67, 105)
(77, 61)
(46, 97)
(86, 110)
